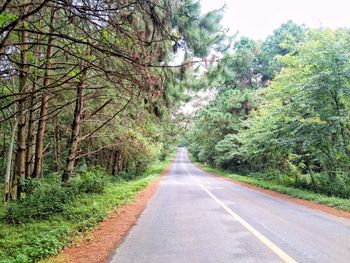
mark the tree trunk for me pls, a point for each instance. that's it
(115, 168)
(21, 132)
(9, 165)
(109, 162)
(58, 163)
(32, 115)
(4, 145)
(21, 140)
(39, 146)
(74, 139)
(30, 135)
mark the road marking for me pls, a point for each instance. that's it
(279, 252)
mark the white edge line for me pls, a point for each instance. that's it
(279, 252)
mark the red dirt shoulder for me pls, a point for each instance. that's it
(107, 236)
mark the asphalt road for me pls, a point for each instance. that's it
(196, 217)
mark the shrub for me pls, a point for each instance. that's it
(92, 182)
(324, 185)
(127, 175)
(303, 183)
(333, 187)
(43, 201)
(45, 197)
(32, 242)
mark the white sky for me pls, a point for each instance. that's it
(258, 18)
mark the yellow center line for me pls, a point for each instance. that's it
(279, 252)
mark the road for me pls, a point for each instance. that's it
(196, 217)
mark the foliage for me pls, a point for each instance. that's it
(96, 86)
(294, 129)
(44, 201)
(218, 123)
(41, 238)
(284, 40)
(303, 122)
(92, 181)
(199, 31)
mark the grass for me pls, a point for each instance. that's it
(335, 202)
(34, 241)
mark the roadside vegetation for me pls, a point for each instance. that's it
(275, 184)
(281, 112)
(53, 217)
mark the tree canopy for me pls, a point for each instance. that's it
(282, 106)
(91, 83)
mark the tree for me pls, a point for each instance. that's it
(309, 111)
(285, 40)
(78, 78)
(219, 122)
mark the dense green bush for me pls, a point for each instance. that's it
(43, 201)
(92, 181)
(127, 176)
(337, 186)
(46, 197)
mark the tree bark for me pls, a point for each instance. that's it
(74, 138)
(109, 162)
(32, 115)
(58, 163)
(21, 132)
(39, 146)
(9, 165)
(30, 137)
(115, 166)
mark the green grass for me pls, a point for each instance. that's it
(31, 242)
(335, 202)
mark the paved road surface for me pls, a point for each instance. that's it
(197, 218)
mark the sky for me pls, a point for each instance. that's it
(258, 18)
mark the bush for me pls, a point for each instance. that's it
(46, 197)
(303, 183)
(338, 186)
(333, 187)
(127, 175)
(43, 201)
(91, 182)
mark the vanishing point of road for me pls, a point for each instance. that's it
(195, 217)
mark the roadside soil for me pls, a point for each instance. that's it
(98, 245)
(310, 204)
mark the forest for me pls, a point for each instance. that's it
(90, 83)
(281, 110)
(91, 99)
(88, 100)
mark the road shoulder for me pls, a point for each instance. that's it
(307, 203)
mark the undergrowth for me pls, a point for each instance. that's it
(50, 217)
